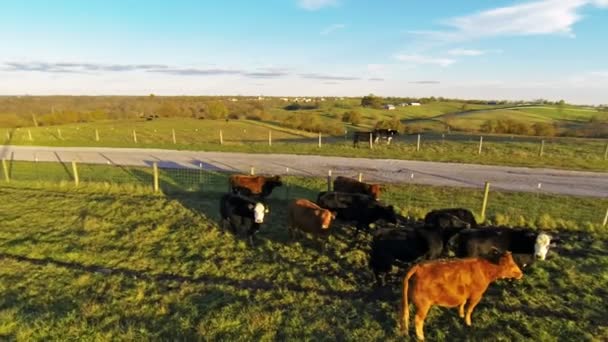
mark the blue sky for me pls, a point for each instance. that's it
(554, 49)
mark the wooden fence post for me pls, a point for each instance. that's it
(319, 139)
(7, 177)
(605, 220)
(485, 201)
(155, 170)
(75, 171)
(221, 138)
(252, 171)
(418, 143)
(542, 148)
(371, 141)
(200, 173)
(606, 152)
(480, 144)
(269, 138)
(329, 179)
(96, 134)
(173, 134)
(134, 137)
(360, 177)
(29, 133)
(59, 133)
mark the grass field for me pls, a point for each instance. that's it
(121, 263)
(252, 136)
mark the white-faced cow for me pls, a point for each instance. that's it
(237, 210)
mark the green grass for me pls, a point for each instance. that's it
(252, 137)
(117, 262)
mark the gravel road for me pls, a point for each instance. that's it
(374, 170)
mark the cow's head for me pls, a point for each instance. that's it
(374, 190)
(541, 246)
(392, 132)
(508, 267)
(259, 210)
(326, 217)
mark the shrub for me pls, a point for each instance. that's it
(544, 129)
(391, 124)
(352, 117)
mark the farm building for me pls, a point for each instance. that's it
(389, 107)
(414, 103)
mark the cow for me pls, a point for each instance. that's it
(450, 217)
(451, 283)
(374, 136)
(236, 209)
(362, 209)
(254, 186)
(306, 216)
(409, 245)
(353, 186)
(525, 244)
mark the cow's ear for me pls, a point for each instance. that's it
(267, 210)
(333, 214)
(250, 206)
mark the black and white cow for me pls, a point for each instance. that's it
(362, 209)
(376, 135)
(237, 210)
(526, 245)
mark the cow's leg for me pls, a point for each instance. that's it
(461, 309)
(473, 301)
(421, 312)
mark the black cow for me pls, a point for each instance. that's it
(362, 209)
(525, 244)
(450, 218)
(238, 210)
(409, 245)
(376, 135)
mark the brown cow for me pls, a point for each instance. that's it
(353, 186)
(259, 186)
(452, 283)
(306, 216)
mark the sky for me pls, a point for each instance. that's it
(474, 49)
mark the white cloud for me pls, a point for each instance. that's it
(466, 52)
(331, 28)
(376, 67)
(313, 5)
(418, 59)
(531, 18)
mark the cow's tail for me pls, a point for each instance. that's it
(405, 317)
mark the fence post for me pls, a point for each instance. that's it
(371, 142)
(542, 148)
(606, 152)
(319, 139)
(134, 137)
(173, 134)
(75, 170)
(7, 177)
(96, 134)
(269, 138)
(329, 180)
(155, 170)
(200, 173)
(221, 138)
(480, 144)
(360, 177)
(252, 171)
(29, 133)
(59, 133)
(418, 143)
(485, 201)
(605, 219)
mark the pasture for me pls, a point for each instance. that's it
(118, 262)
(252, 136)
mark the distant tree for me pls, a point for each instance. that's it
(168, 109)
(544, 129)
(371, 101)
(216, 110)
(352, 117)
(394, 123)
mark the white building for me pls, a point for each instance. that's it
(389, 107)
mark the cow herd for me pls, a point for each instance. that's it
(452, 259)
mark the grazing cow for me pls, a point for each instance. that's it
(362, 209)
(254, 186)
(353, 186)
(452, 217)
(525, 244)
(236, 209)
(374, 136)
(451, 283)
(408, 245)
(306, 216)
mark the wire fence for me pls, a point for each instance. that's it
(536, 208)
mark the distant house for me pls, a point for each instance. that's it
(414, 103)
(492, 102)
(284, 99)
(389, 107)
(234, 100)
(404, 104)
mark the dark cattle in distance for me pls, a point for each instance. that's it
(254, 186)
(353, 186)
(362, 209)
(237, 210)
(375, 136)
